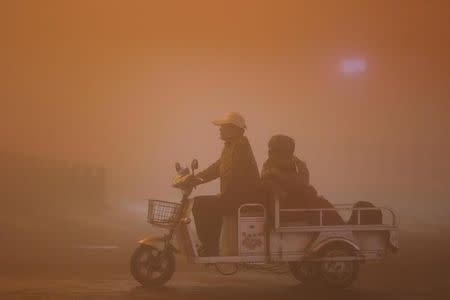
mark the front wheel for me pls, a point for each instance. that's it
(152, 267)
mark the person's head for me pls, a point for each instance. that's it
(281, 147)
(230, 131)
(232, 126)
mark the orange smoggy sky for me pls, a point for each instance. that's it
(133, 85)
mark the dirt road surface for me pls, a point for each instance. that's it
(207, 285)
(421, 270)
(377, 281)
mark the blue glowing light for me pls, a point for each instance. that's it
(353, 65)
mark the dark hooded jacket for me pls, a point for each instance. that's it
(288, 176)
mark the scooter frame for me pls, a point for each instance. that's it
(370, 242)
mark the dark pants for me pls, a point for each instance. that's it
(208, 221)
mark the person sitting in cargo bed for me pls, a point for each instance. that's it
(285, 174)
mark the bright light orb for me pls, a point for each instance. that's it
(353, 65)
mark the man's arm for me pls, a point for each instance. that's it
(244, 170)
(210, 173)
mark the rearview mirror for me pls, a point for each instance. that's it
(194, 165)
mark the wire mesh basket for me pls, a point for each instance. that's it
(162, 213)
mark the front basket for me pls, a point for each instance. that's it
(162, 213)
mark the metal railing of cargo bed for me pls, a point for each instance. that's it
(279, 226)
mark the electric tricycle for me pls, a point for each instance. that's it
(316, 255)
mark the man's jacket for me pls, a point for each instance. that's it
(238, 172)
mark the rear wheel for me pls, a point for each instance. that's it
(305, 272)
(152, 267)
(338, 274)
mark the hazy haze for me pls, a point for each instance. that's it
(132, 86)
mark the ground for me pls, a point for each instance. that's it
(421, 270)
(207, 285)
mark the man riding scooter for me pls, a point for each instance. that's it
(239, 182)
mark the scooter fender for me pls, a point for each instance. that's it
(326, 238)
(157, 242)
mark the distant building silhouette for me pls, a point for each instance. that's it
(30, 185)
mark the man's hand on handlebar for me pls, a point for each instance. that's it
(193, 180)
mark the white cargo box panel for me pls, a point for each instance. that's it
(252, 239)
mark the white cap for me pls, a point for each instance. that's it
(231, 118)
